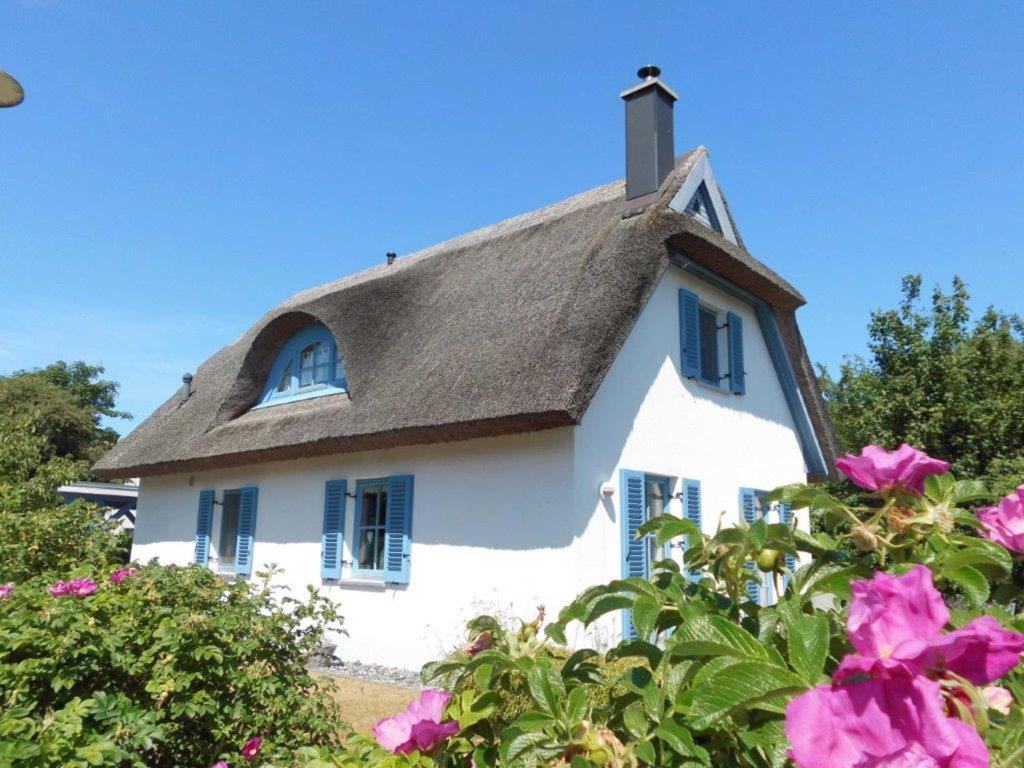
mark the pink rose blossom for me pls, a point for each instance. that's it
(898, 621)
(997, 698)
(419, 727)
(6, 589)
(1005, 524)
(121, 574)
(73, 588)
(877, 469)
(252, 747)
(221, 764)
(878, 723)
(890, 610)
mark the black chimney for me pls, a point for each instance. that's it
(650, 154)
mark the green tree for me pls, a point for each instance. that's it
(64, 404)
(933, 378)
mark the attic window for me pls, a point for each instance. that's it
(702, 209)
(308, 365)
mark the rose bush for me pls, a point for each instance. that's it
(158, 667)
(894, 644)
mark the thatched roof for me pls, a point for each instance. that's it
(507, 329)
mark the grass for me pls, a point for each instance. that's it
(364, 703)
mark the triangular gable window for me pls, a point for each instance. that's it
(702, 209)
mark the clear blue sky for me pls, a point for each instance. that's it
(179, 168)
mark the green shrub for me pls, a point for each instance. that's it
(171, 668)
(57, 539)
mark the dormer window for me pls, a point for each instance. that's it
(308, 365)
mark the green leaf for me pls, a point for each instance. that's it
(965, 491)
(939, 487)
(605, 605)
(973, 582)
(808, 641)
(645, 615)
(738, 686)
(681, 741)
(546, 688)
(714, 636)
(576, 706)
(645, 752)
(635, 720)
(976, 552)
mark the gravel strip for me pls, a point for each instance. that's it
(403, 678)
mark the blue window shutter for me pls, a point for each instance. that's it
(689, 332)
(737, 378)
(748, 508)
(785, 516)
(246, 531)
(334, 528)
(691, 510)
(398, 538)
(634, 550)
(204, 522)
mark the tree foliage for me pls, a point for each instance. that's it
(937, 380)
(63, 405)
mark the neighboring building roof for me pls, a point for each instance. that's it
(510, 328)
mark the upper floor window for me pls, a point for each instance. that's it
(308, 365)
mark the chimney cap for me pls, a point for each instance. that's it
(391, 256)
(186, 377)
(650, 77)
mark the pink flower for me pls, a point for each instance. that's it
(419, 727)
(121, 574)
(221, 764)
(481, 642)
(894, 722)
(887, 611)
(81, 587)
(897, 622)
(877, 469)
(997, 698)
(252, 747)
(74, 588)
(1005, 524)
(6, 589)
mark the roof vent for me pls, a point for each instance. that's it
(650, 154)
(391, 257)
(186, 379)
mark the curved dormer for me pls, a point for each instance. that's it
(308, 365)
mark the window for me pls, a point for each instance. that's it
(237, 535)
(228, 540)
(708, 346)
(701, 341)
(370, 527)
(656, 501)
(382, 530)
(308, 365)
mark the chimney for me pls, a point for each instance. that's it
(650, 154)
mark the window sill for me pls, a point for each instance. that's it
(709, 385)
(357, 583)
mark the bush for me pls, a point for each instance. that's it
(897, 671)
(57, 539)
(172, 667)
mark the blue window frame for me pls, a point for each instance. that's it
(369, 530)
(308, 365)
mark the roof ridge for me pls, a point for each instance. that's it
(510, 225)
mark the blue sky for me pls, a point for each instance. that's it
(179, 168)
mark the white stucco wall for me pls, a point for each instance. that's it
(491, 532)
(504, 524)
(647, 417)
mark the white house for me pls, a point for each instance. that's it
(481, 426)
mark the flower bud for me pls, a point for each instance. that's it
(898, 518)
(864, 538)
